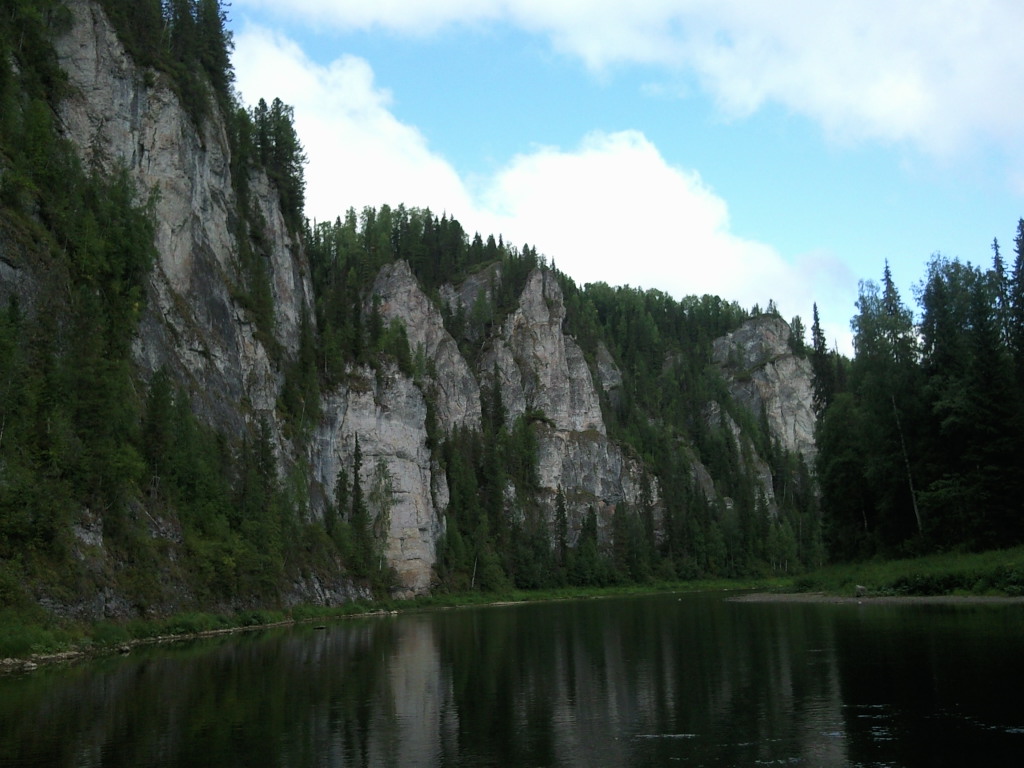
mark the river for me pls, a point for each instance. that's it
(677, 680)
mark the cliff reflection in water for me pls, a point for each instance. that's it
(624, 682)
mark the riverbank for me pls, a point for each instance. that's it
(26, 644)
(822, 597)
(994, 573)
(31, 639)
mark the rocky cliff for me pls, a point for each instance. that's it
(196, 326)
(122, 116)
(766, 376)
(542, 370)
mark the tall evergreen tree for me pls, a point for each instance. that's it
(1015, 305)
(885, 379)
(214, 46)
(822, 366)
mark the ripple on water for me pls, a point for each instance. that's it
(665, 736)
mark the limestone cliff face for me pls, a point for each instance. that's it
(121, 116)
(542, 370)
(754, 466)
(124, 117)
(387, 414)
(196, 326)
(456, 390)
(764, 374)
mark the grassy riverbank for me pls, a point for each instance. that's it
(32, 632)
(996, 573)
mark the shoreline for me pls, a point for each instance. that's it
(22, 664)
(824, 598)
(16, 665)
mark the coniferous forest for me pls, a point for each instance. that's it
(919, 435)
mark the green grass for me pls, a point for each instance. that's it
(996, 572)
(28, 631)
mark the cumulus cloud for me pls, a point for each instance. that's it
(360, 154)
(611, 209)
(614, 210)
(941, 75)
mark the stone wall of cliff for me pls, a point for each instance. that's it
(766, 376)
(121, 116)
(195, 326)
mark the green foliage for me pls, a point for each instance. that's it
(920, 453)
(664, 349)
(83, 438)
(26, 28)
(992, 572)
(827, 367)
(188, 40)
(22, 635)
(277, 149)
(69, 416)
(364, 499)
(300, 393)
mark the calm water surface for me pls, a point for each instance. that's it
(678, 680)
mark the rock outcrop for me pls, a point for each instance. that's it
(543, 371)
(387, 414)
(540, 368)
(197, 327)
(457, 392)
(122, 116)
(764, 375)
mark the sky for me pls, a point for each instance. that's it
(759, 151)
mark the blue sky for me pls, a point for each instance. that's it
(753, 150)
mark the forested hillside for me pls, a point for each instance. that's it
(130, 485)
(208, 400)
(663, 350)
(921, 434)
(88, 442)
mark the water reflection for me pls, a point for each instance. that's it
(670, 680)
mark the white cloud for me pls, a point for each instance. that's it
(360, 154)
(941, 75)
(612, 209)
(403, 16)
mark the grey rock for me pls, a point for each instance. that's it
(456, 390)
(763, 373)
(388, 415)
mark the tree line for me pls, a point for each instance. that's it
(83, 436)
(663, 347)
(920, 434)
(185, 39)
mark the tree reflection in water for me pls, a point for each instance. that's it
(624, 682)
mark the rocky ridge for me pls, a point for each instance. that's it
(122, 117)
(765, 375)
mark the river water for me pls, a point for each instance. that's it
(675, 680)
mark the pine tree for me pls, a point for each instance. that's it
(214, 47)
(886, 381)
(822, 367)
(1015, 305)
(359, 518)
(561, 529)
